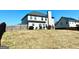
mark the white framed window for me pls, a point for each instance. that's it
(30, 17)
(35, 17)
(45, 19)
(32, 24)
(42, 18)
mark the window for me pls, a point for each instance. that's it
(44, 26)
(32, 24)
(45, 19)
(30, 17)
(40, 26)
(35, 18)
(66, 22)
(42, 18)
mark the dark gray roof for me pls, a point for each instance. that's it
(69, 18)
(37, 13)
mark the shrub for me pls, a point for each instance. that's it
(31, 27)
(49, 27)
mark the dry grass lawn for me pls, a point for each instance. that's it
(43, 39)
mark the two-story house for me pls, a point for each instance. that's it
(38, 19)
(67, 22)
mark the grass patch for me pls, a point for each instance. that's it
(44, 39)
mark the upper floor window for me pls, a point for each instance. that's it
(35, 18)
(45, 19)
(42, 18)
(30, 17)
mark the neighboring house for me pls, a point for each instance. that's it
(38, 19)
(66, 22)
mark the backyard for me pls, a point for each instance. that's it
(41, 39)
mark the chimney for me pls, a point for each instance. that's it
(50, 19)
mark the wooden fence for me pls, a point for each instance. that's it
(16, 27)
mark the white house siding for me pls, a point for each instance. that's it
(77, 23)
(51, 22)
(72, 24)
(37, 18)
(36, 25)
(31, 19)
(46, 20)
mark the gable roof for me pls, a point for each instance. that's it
(36, 13)
(68, 19)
